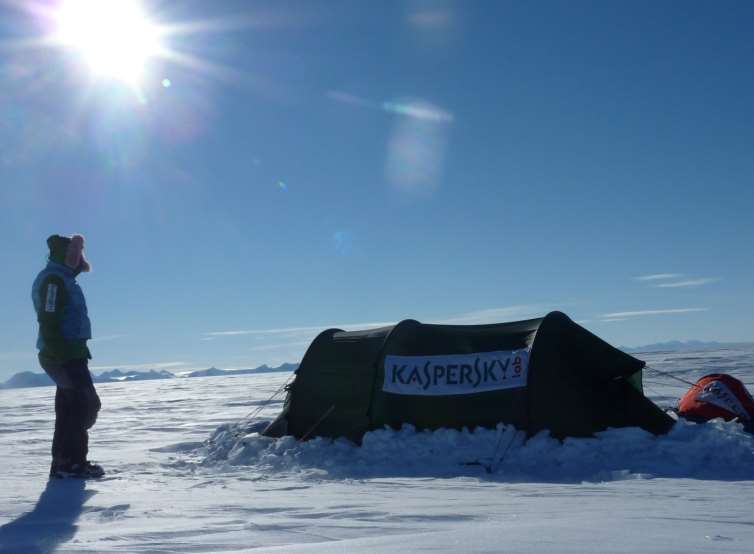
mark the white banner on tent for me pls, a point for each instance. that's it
(718, 393)
(452, 374)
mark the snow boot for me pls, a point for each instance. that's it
(86, 470)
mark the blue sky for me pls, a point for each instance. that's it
(346, 163)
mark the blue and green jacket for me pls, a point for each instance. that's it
(64, 325)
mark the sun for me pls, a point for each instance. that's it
(138, 43)
(115, 38)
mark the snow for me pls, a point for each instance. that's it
(188, 473)
(685, 452)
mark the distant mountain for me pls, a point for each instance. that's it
(117, 375)
(27, 379)
(214, 372)
(678, 346)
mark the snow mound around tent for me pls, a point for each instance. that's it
(717, 450)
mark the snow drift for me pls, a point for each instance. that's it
(716, 450)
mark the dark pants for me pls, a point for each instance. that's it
(76, 408)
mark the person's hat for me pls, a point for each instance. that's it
(68, 251)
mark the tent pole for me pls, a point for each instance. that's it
(492, 468)
(255, 412)
(666, 374)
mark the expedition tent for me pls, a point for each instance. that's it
(546, 373)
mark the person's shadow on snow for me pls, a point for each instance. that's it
(51, 523)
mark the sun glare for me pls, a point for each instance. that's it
(114, 37)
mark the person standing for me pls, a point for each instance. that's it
(64, 329)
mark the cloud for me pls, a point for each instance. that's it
(689, 283)
(659, 276)
(670, 280)
(640, 313)
(613, 319)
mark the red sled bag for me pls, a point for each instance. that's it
(717, 395)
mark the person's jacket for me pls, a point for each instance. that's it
(64, 325)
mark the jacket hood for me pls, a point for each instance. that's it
(68, 251)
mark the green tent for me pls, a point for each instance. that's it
(547, 373)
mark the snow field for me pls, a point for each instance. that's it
(183, 479)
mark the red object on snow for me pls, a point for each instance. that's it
(717, 395)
